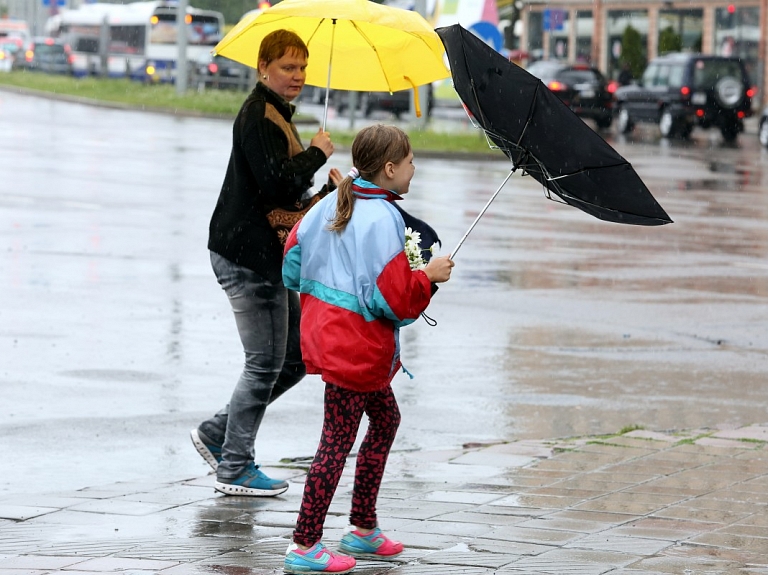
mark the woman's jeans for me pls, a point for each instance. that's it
(267, 317)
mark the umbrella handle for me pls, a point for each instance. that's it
(480, 215)
(328, 84)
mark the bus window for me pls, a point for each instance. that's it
(201, 31)
(204, 31)
(127, 40)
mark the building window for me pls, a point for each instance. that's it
(680, 30)
(585, 26)
(617, 23)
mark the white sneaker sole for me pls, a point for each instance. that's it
(228, 489)
(203, 450)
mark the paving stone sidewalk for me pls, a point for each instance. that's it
(640, 503)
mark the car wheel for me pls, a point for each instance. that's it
(667, 124)
(730, 132)
(604, 122)
(624, 122)
(763, 133)
(729, 92)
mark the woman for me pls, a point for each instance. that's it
(268, 169)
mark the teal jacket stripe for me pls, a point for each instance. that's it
(335, 297)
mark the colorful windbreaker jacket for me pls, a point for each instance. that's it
(357, 289)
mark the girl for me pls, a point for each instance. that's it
(347, 260)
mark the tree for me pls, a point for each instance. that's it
(669, 41)
(632, 52)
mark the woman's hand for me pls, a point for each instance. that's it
(322, 140)
(438, 269)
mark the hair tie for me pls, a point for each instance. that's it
(354, 173)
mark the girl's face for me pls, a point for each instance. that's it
(400, 174)
(285, 76)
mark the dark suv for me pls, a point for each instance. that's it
(680, 91)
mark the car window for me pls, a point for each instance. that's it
(48, 49)
(577, 76)
(706, 73)
(676, 74)
(649, 74)
(662, 76)
(544, 69)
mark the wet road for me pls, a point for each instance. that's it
(115, 339)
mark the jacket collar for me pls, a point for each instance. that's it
(285, 108)
(365, 190)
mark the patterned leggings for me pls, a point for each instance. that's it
(343, 412)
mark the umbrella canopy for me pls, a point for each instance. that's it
(353, 44)
(543, 137)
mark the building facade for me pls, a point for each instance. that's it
(577, 30)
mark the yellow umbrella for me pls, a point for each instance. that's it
(353, 44)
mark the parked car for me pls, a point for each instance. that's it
(398, 103)
(46, 55)
(220, 72)
(8, 52)
(582, 88)
(762, 132)
(680, 91)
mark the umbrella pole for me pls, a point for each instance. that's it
(480, 215)
(328, 84)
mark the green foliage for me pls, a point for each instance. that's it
(669, 41)
(633, 51)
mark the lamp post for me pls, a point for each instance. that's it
(181, 40)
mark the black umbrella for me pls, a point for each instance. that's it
(543, 137)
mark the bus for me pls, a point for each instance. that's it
(136, 40)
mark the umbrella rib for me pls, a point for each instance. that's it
(588, 168)
(375, 51)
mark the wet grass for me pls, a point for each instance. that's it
(216, 103)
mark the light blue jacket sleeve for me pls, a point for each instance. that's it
(292, 268)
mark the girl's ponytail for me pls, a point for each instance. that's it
(345, 203)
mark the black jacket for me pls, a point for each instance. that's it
(268, 168)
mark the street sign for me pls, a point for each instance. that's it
(554, 19)
(489, 33)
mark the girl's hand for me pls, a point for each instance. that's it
(438, 269)
(335, 177)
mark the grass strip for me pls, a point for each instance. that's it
(222, 104)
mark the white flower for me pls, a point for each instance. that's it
(413, 250)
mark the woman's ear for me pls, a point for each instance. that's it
(262, 67)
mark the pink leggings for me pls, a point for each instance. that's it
(343, 412)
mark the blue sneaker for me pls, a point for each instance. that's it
(210, 451)
(316, 559)
(253, 482)
(373, 545)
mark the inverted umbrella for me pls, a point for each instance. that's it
(353, 44)
(543, 137)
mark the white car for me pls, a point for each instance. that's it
(8, 51)
(762, 131)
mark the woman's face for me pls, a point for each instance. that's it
(285, 76)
